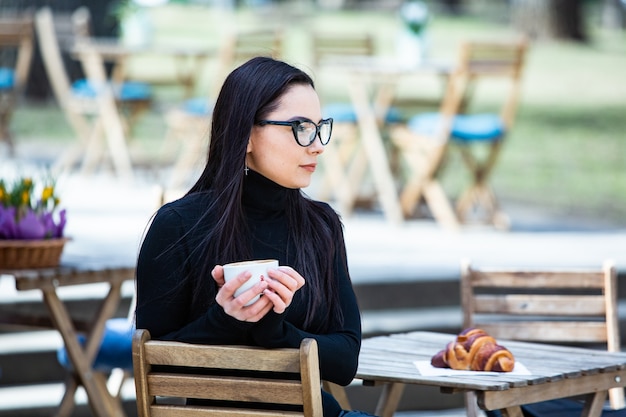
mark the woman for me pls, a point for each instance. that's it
(266, 135)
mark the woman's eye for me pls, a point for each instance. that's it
(305, 126)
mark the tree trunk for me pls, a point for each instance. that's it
(558, 19)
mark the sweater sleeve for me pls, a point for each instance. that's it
(164, 301)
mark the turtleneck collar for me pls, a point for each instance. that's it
(261, 194)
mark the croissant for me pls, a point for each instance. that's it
(474, 350)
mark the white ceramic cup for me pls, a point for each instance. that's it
(256, 268)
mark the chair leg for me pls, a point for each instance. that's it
(479, 195)
(67, 403)
(339, 393)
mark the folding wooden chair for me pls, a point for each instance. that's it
(16, 43)
(480, 63)
(80, 102)
(175, 379)
(188, 125)
(425, 139)
(560, 305)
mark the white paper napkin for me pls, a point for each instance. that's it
(426, 369)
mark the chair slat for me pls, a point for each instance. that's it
(551, 305)
(547, 331)
(178, 411)
(225, 388)
(537, 279)
(242, 358)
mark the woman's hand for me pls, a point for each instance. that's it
(282, 285)
(236, 306)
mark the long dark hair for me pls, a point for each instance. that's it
(248, 94)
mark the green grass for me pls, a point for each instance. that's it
(567, 151)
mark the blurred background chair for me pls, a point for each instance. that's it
(79, 100)
(558, 305)
(255, 381)
(16, 52)
(481, 63)
(333, 54)
(424, 140)
(188, 124)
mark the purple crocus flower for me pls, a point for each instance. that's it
(61, 225)
(8, 228)
(30, 227)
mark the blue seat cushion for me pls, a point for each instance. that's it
(465, 128)
(344, 113)
(115, 349)
(198, 106)
(564, 408)
(7, 78)
(128, 91)
(481, 127)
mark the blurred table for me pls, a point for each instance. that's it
(555, 372)
(372, 88)
(81, 356)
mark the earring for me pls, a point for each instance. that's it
(246, 170)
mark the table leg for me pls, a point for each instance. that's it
(512, 412)
(376, 154)
(100, 401)
(389, 399)
(594, 403)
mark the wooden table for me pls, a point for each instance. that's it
(372, 91)
(48, 280)
(557, 372)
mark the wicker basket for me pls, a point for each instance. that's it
(26, 254)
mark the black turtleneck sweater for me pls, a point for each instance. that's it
(164, 294)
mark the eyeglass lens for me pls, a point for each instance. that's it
(306, 132)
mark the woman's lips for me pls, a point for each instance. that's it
(309, 167)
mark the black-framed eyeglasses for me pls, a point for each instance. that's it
(305, 131)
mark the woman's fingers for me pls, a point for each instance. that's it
(237, 306)
(218, 275)
(288, 276)
(279, 303)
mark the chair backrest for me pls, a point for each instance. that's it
(566, 305)
(260, 381)
(49, 45)
(329, 46)
(51, 54)
(482, 60)
(240, 46)
(17, 33)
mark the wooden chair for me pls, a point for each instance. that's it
(82, 105)
(424, 140)
(560, 305)
(16, 39)
(237, 380)
(188, 125)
